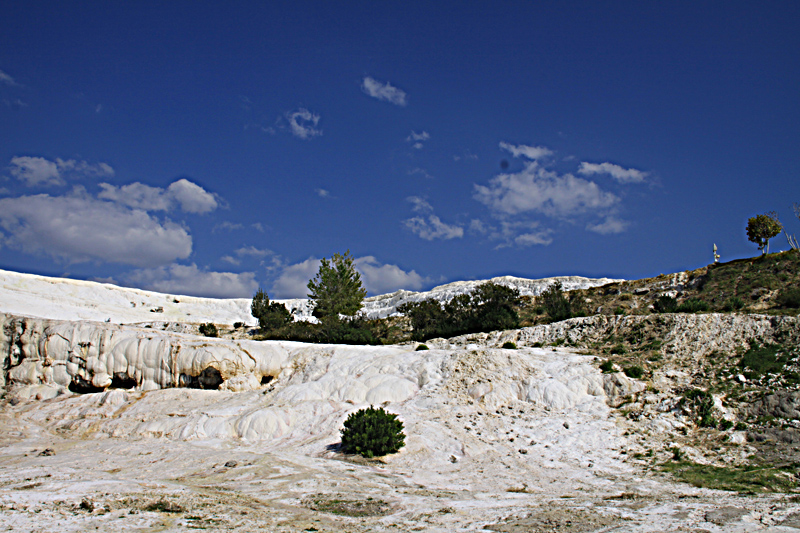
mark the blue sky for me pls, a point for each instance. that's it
(211, 148)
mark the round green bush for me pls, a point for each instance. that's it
(635, 372)
(421, 347)
(606, 367)
(508, 345)
(372, 433)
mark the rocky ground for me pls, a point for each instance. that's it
(529, 439)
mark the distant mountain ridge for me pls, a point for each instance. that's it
(68, 299)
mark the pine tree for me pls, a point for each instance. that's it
(336, 289)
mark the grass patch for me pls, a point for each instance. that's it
(760, 360)
(347, 507)
(744, 479)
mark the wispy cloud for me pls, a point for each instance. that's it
(528, 152)
(418, 139)
(622, 175)
(384, 91)
(420, 172)
(428, 226)
(609, 226)
(8, 80)
(303, 123)
(41, 172)
(322, 193)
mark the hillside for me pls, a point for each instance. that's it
(106, 425)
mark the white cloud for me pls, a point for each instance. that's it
(538, 190)
(542, 238)
(190, 280)
(376, 277)
(529, 152)
(232, 260)
(609, 225)
(424, 136)
(622, 175)
(79, 228)
(35, 171)
(293, 281)
(420, 205)
(252, 251)
(189, 196)
(38, 171)
(384, 91)
(226, 226)
(381, 279)
(8, 80)
(303, 123)
(432, 227)
(192, 197)
(322, 193)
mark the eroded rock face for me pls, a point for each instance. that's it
(45, 357)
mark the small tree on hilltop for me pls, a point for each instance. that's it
(270, 315)
(761, 228)
(336, 289)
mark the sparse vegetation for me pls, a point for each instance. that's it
(208, 330)
(748, 479)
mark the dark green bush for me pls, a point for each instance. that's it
(372, 433)
(692, 305)
(421, 347)
(555, 303)
(734, 303)
(237, 325)
(635, 372)
(508, 345)
(606, 367)
(208, 330)
(789, 298)
(490, 307)
(270, 315)
(725, 425)
(760, 360)
(665, 304)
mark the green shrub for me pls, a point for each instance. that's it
(789, 298)
(208, 330)
(508, 345)
(665, 304)
(760, 360)
(607, 367)
(421, 347)
(489, 307)
(734, 303)
(700, 404)
(270, 315)
(555, 303)
(618, 349)
(725, 425)
(692, 305)
(237, 325)
(740, 426)
(635, 371)
(372, 432)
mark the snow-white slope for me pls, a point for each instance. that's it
(68, 299)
